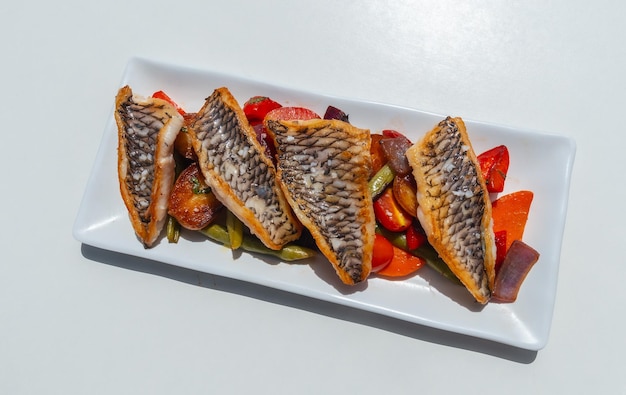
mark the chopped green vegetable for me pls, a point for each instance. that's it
(290, 252)
(173, 230)
(425, 251)
(197, 188)
(381, 180)
(235, 230)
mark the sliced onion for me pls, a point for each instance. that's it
(395, 151)
(518, 261)
(335, 113)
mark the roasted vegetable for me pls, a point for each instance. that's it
(376, 153)
(290, 252)
(382, 254)
(395, 149)
(405, 193)
(389, 213)
(191, 202)
(257, 107)
(402, 264)
(519, 259)
(381, 180)
(335, 113)
(510, 213)
(494, 164)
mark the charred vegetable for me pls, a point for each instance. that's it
(191, 202)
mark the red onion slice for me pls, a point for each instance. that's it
(395, 151)
(518, 261)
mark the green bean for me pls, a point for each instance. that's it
(381, 180)
(235, 230)
(173, 230)
(290, 252)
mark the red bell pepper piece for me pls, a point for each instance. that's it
(414, 238)
(257, 107)
(510, 213)
(163, 96)
(494, 164)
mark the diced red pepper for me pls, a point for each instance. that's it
(389, 213)
(494, 164)
(163, 96)
(257, 107)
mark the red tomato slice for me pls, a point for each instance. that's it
(402, 264)
(383, 253)
(390, 214)
(291, 114)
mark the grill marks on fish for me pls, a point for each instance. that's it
(323, 169)
(454, 206)
(238, 171)
(147, 128)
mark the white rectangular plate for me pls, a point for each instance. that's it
(539, 162)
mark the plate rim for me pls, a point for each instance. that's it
(83, 235)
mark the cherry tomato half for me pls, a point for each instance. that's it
(383, 253)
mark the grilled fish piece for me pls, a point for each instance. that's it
(147, 128)
(239, 172)
(323, 169)
(454, 206)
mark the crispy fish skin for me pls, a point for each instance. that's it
(147, 128)
(239, 172)
(323, 169)
(454, 205)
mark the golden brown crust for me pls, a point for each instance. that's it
(148, 225)
(358, 158)
(432, 213)
(291, 227)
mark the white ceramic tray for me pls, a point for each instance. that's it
(539, 162)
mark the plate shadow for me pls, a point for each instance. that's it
(284, 298)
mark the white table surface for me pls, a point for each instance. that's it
(77, 320)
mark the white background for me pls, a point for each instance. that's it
(77, 320)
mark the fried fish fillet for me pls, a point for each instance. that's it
(239, 172)
(323, 169)
(147, 128)
(454, 206)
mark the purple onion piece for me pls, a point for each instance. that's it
(518, 261)
(335, 113)
(395, 151)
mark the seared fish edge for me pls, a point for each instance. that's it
(147, 128)
(323, 169)
(454, 206)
